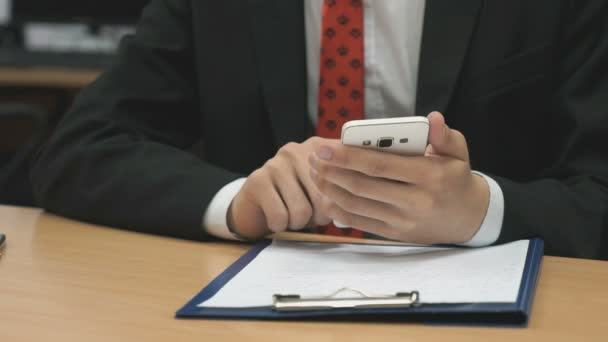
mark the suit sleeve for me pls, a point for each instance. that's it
(119, 156)
(568, 205)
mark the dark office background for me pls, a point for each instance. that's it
(30, 108)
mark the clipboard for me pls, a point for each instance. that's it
(509, 314)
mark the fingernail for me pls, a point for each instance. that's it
(324, 153)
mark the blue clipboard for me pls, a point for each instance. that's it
(516, 314)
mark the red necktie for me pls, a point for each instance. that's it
(341, 81)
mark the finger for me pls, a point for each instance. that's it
(314, 196)
(375, 163)
(355, 204)
(294, 196)
(359, 222)
(272, 206)
(446, 141)
(322, 217)
(399, 194)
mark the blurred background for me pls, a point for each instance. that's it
(49, 50)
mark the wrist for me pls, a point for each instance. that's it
(479, 206)
(475, 209)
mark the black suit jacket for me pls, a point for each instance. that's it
(525, 81)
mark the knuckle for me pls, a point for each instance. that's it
(273, 167)
(290, 146)
(317, 198)
(330, 212)
(277, 220)
(256, 174)
(325, 207)
(300, 216)
(377, 166)
(314, 140)
(257, 178)
(288, 149)
(333, 211)
(321, 219)
(323, 186)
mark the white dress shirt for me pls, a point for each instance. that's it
(393, 34)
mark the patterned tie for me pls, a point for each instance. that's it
(341, 81)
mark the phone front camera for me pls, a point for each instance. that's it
(385, 142)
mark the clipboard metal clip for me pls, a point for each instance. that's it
(285, 303)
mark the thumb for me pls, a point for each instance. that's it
(445, 141)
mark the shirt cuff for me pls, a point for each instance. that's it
(492, 224)
(215, 217)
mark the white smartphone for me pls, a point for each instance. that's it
(405, 136)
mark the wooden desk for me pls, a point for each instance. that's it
(46, 77)
(65, 281)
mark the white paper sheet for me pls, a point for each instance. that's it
(441, 275)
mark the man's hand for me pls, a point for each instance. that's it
(280, 195)
(428, 199)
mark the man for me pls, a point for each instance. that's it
(524, 82)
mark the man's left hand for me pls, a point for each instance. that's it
(434, 198)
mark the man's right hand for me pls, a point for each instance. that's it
(280, 195)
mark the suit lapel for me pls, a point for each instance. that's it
(279, 36)
(448, 26)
